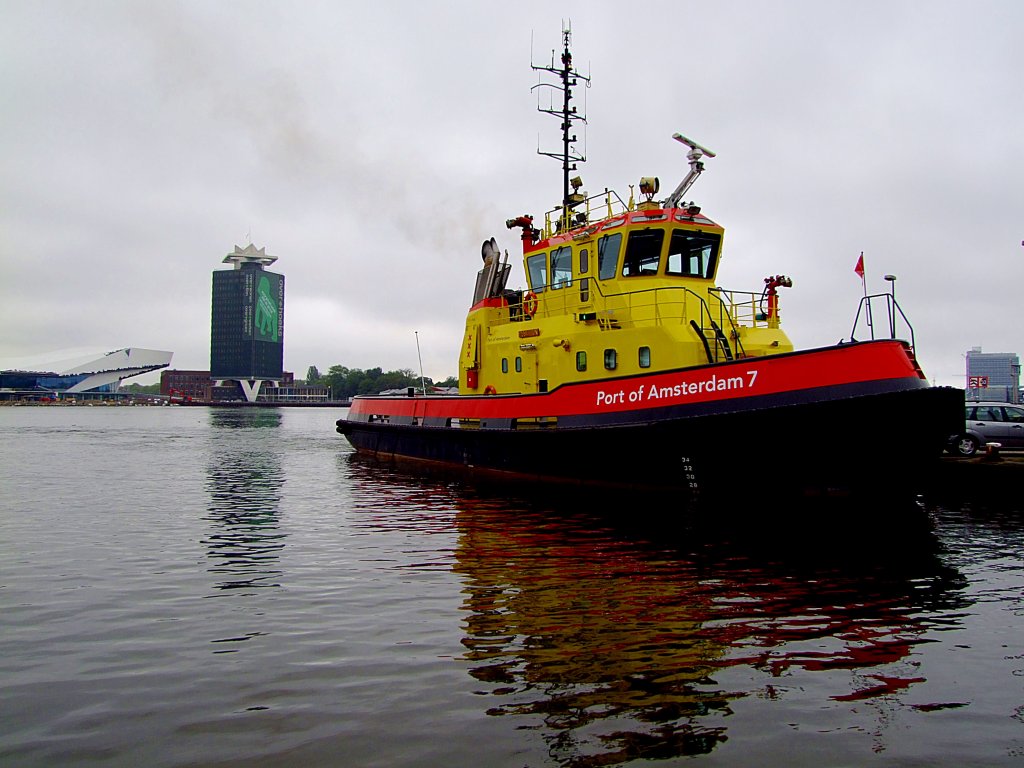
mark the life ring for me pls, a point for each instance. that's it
(490, 390)
(530, 304)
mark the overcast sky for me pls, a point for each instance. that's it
(373, 146)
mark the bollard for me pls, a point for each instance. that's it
(992, 452)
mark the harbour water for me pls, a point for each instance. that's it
(191, 586)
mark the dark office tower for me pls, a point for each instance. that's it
(247, 325)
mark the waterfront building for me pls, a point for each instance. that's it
(187, 385)
(993, 376)
(96, 379)
(246, 326)
(199, 386)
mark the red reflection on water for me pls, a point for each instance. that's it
(886, 685)
(609, 641)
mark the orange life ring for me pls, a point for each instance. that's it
(530, 304)
(490, 390)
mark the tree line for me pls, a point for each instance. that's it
(345, 382)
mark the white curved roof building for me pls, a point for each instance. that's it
(103, 374)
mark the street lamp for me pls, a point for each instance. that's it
(891, 279)
(892, 285)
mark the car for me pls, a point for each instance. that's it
(990, 422)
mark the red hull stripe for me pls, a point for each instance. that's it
(751, 377)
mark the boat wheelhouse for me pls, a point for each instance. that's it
(615, 289)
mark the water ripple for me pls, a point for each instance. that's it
(368, 615)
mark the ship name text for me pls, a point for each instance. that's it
(643, 393)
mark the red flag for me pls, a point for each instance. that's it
(859, 269)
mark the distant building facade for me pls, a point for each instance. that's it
(246, 326)
(200, 386)
(190, 385)
(993, 376)
(95, 379)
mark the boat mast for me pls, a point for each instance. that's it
(569, 77)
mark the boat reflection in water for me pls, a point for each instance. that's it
(618, 637)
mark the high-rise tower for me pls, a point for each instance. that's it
(247, 324)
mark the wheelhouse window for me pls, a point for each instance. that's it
(643, 252)
(611, 359)
(608, 248)
(581, 360)
(692, 254)
(537, 266)
(645, 357)
(561, 267)
(584, 269)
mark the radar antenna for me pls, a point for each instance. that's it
(569, 77)
(696, 169)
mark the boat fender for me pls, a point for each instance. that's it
(530, 304)
(490, 390)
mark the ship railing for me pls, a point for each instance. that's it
(718, 327)
(745, 307)
(710, 318)
(879, 316)
(726, 322)
(583, 210)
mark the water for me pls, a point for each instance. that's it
(183, 586)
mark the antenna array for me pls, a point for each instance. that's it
(568, 78)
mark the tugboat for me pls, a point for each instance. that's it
(623, 362)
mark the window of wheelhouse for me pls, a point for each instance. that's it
(608, 248)
(692, 253)
(584, 281)
(643, 252)
(561, 267)
(537, 266)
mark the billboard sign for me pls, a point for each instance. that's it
(263, 307)
(267, 316)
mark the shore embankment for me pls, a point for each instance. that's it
(994, 477)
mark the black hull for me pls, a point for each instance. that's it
(881, 442)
